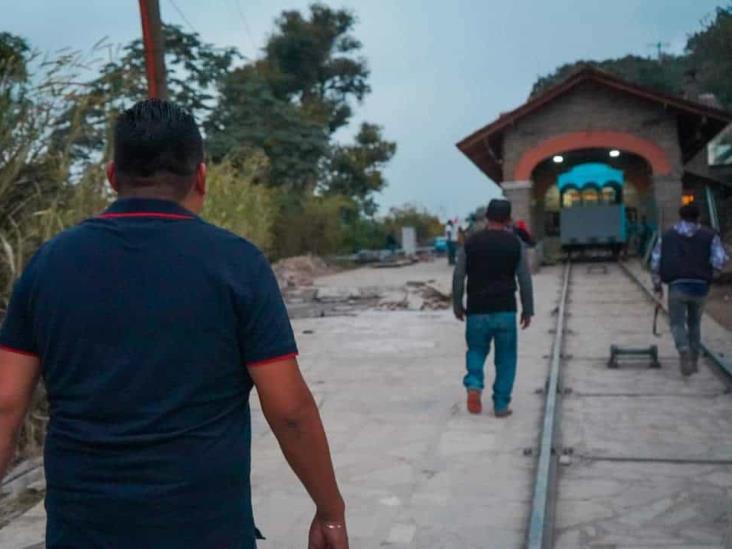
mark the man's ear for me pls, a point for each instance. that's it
(112, 176)
(201, 179)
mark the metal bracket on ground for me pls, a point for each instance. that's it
(633, 352)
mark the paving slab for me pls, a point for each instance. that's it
(418, 472)
(651, 459)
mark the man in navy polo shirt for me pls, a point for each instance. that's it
(150, 327)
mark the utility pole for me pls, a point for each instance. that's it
(152, 39)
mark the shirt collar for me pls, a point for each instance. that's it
(147, 207)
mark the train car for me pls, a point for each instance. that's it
(592, 215)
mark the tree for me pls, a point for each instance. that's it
(355, 170)
(311, 61)
(14, 53)
(236, 203)
(410, 215)
(194, 69)
(291, 101)
(665, 74)
(710, 55)
(250, 116)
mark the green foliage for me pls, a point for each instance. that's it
(250, 116)
(309, 223)
(363, 233)
(14, 53)
(194, 70)
(665, 75)
(708, 55)
(410, 215)
(39, 195)
(311, 60)
(236, 203)
(291, 101)
(355, 170)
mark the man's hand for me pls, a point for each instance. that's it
(525, 321)
(460, 314)
(658, 290)
(292, 414)
(326, 534)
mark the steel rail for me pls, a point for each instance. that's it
(541, 531)
(721, 367)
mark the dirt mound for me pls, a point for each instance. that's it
(299, 271)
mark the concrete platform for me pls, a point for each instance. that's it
(652, 452)
(418, 472)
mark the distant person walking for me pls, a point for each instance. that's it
(493, 260)
(451, 236)
(687, 258)
(522, 231)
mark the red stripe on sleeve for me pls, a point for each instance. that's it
(266, 361)
(18, 351)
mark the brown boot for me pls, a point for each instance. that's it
(474, 404)
(685, 363)
(504, 413)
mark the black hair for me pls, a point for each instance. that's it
(498, 210)
(690, 212)
(157, 143)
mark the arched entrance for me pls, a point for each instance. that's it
(589, 177)
(603, 140)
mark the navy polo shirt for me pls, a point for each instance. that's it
(144, 319)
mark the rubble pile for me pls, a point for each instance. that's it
(416, 296)
(299, 271)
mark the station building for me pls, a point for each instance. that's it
(595, 137)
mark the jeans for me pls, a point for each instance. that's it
(685, 314)
(451, 252)
(481, 330)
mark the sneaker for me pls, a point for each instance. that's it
(474, 404)
(504, 413)
(686, 364)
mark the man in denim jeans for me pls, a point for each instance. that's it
(492, 259)
(687, 258)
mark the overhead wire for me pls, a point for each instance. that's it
(244, 21)
(182, 15)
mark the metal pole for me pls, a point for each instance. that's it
(152, 39)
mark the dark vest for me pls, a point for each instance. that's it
(686, 257)
(492, 259)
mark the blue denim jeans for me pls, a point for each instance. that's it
(480, 332)
(685, 315)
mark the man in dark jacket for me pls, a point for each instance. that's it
(687, 258)
(492, 259)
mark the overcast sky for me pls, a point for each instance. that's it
(439, 68)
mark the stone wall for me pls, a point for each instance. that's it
(593, 107)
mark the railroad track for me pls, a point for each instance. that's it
(651, 446)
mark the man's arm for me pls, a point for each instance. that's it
(19, 373)
(656, 267)
(526, 289)
(293, 415)
(458, 284)
(718, 255)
